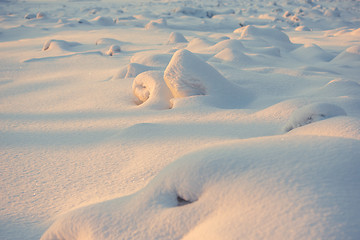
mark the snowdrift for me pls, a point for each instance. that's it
(265, 187)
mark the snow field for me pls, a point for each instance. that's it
(179, 120)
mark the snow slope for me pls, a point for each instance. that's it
(179, 119)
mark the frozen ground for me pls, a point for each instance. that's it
(183, 119)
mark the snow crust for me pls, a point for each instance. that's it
(178, 119)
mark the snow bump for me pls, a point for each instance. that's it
(313, 113)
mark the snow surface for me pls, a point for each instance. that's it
(179, 119)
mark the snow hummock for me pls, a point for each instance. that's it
(187, 75)
(176, 37)
(270, 36)
(59, 45)
(150, 89)
(313, 113)
(312, 52)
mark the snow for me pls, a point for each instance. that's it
(187, 75)
(179, 119)
(176, 37)
(150, 89)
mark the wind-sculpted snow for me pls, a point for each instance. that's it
(179, 119)
(192, 197)
(151, 91)
(187, 75)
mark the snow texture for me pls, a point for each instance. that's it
(266, 185)
(177, 119)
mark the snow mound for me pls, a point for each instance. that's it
(103, 21)
(198, 44)
(113, 49)
(187, 75)
(344, 127)
(154, 24)
(312, 113)
(340, 87)
(61, 45)
(272, 36)
(228, 43)
(351, 54)
(312, 53)
(153, 60)
(176, 37)
(151, 91)
(283, 187)
(132, 70)
(234, 56)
